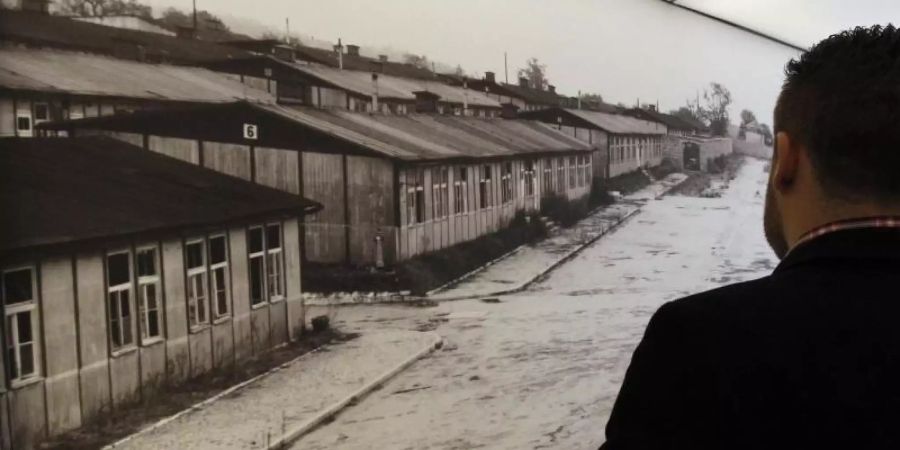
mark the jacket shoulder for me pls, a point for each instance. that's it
(719, 303)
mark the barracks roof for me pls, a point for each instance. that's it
(77, 73)
(411, 137)
(66, 190)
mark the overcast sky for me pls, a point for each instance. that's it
(623, 49)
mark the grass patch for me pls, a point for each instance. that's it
(431, 270)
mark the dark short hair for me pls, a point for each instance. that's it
(841, 100)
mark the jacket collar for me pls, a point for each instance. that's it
(846, 244)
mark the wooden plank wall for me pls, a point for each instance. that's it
(277, 169)
(324, 231)
(436, 233)
(231, 159)
(183, 149)
(371, 208)
(85, 380)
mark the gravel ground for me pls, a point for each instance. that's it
(249, 417)
(531, 260)
(541, 368)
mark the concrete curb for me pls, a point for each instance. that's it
(202, 404)
(309, 425)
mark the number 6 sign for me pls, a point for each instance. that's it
(250, 131)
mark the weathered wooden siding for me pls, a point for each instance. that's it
(277, 169)
(183, 149)
(231, 159)
(7, 118)
(323, 182)
(82, 379)
(371, 207)
(60, 344)
(436, 233)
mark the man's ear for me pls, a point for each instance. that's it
(786, 160)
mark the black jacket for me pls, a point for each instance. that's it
(806, 358)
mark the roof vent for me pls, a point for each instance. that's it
(426, 101)
(509, 111)
(283, 52)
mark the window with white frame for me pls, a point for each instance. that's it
(415, 197)
(266, 264)
(41, 112)
(506, 185)
(573, 166)
(219, 278)
(484, 187)
(274, 263)
(20, 313)
(148, 285)
(561, 175)
(23, 124)
(118, 288)
(547, 182)
(461, 190)
(197, 298)
(528, 177)
(440, 195)
(257, 255)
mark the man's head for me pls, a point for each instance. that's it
(837, 135)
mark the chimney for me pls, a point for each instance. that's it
(579, 99)
(523, 82)
(374, 92)
(509, 111)
(186, 32)
(551, 88)
(465, 87)
(489, 77)
(383, 58)
(426, 102)
(36, 6)
(283, 52)
(352, 50)
(339, 49)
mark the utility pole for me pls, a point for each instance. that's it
(287, 30)
(195, 18)
(505, 69)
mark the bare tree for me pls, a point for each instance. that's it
(686, 112)
(717, 99)
(292, 41)
(592, 97)
(174, 18)
(536, 73)
(420, 61)
(102, 8)
(747, 117)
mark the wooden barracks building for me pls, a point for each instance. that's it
(393, 186)
(621, 143)
(111, 289)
